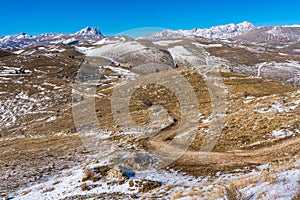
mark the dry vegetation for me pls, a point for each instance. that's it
(241, 56)
(232, 193)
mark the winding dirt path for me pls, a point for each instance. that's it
(201, 163)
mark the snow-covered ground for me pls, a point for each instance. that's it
(11, 71)
(166, 42)
(115, 50)
(261, 183)
(280, 104)
(279, 134)
(207, 45)
(20, 103)
(287, 71)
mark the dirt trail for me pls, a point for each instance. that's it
(199, 163)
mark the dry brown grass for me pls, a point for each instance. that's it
(4, 53)
(297, 196)
(232, 193)
(177, 195)
(85, 187)
(241, 56)
(48, 189)
(89, 175)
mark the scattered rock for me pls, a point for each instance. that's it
(48, 189)
(102, 170)
(3, 195)
(85, 187)
(89, 175)
(246, 94)
(297, 109)
(131, 183)
(148, 185)
(115, 173)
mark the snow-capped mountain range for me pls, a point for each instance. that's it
(87, 35)
(213, 33)
(245, 33)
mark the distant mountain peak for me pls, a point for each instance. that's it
(89, 31)
(246, 23)
(22, 36)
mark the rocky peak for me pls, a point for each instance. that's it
(89, 31)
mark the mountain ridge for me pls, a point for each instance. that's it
(215, 32)
(87, 35)
(243, 33)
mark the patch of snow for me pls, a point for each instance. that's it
(207, 45)
(49, 84)
(280, 134)
(56, 49)
(206, 121)
(276, 106)
(84, 49)
(263, 167)
(120, 70)
(11, 71)
(19, 51)
(41, 48)
(111, 40)
(52, 118)
(56, 41)
(283, 54)
(296, 50)
(179, 52)
(249, 99)
(69, 41)
(166, 42)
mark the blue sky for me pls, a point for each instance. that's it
(114, 16)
